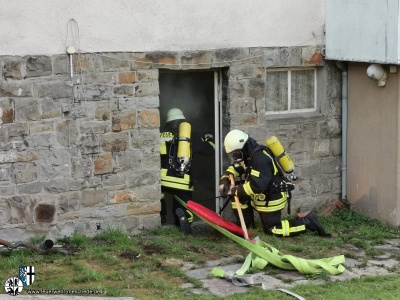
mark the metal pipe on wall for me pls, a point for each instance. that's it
(343, 67)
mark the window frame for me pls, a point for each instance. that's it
(289, 86)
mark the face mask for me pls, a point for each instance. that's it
(237, 156)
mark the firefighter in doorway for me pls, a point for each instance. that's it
(263, 188)
(177, 145)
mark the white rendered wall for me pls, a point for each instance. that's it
(45, 26)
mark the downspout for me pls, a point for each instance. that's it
(343, 67)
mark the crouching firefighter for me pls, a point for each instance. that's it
(263, 189)
(177, 145)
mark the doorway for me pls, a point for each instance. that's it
(194, 92)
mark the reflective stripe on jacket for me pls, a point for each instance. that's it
(171, 181)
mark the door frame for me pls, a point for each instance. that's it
(218, 134)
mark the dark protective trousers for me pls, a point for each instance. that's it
(185, 196)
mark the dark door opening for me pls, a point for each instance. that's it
(193, 93)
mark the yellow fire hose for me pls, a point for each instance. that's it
(263, 253)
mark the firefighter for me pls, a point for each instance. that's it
(177, 145)
(263, 188)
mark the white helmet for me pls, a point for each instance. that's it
(235, 140)
(175, 114)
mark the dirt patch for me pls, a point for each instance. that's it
(170, 262)
(152, 249)
(129, 255)
(207, 253)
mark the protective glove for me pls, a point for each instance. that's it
(224, 186)
(208, 137)
(232, 190)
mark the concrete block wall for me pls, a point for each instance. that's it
(81, 153)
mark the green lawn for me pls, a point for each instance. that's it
(148, 265)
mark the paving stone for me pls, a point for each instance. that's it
(346, 275)
(371, 271)
(271, 282)
(199, 291)
(350, 262)
(390, 263)
(395, 242)
(204, 273)
(222, 287)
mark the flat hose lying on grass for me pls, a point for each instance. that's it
(263, 253)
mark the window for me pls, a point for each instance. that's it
(290, 90)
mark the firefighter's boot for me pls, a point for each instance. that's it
(163, 212)
(312, 223)
(184, 223)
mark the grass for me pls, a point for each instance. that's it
(149, 265)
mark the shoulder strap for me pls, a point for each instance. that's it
(258, 148)
(262, 147)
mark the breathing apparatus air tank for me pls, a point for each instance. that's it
(278, 151)
(184, 153)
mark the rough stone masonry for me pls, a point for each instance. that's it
(81, 153)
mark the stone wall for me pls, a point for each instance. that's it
(313, 140)
(81, 153)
